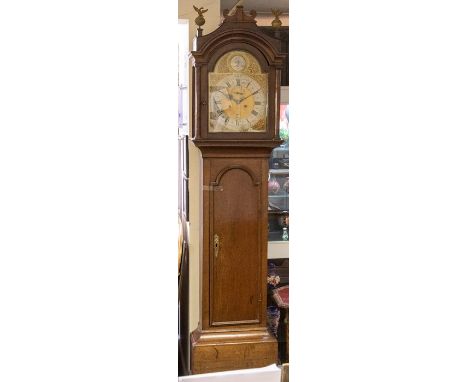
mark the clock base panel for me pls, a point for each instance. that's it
(233, 350)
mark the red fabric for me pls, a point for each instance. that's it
(281, 296)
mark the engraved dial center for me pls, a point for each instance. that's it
(238, 63)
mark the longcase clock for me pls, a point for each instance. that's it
(236, 95)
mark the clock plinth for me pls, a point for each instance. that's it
(232, 350)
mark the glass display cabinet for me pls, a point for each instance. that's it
(278, 234)
(278, 187)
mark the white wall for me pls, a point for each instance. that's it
(212, 18)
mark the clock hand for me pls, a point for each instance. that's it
(250, 95)
(228, 96)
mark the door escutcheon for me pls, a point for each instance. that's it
(216, 245)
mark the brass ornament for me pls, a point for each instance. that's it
(276, 23)
(200, 20)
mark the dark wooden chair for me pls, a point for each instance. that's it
(281, 297)
(184, 338)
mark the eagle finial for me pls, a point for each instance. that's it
(200, 20)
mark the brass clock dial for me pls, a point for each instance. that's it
(238, 95)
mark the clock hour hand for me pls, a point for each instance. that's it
(227, 105)
(228, 96)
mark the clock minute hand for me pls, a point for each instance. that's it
(250, 95)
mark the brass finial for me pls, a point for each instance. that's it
(276, 23)
(200, 20)
(239, 16)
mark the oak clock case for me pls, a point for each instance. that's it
(236, 73)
